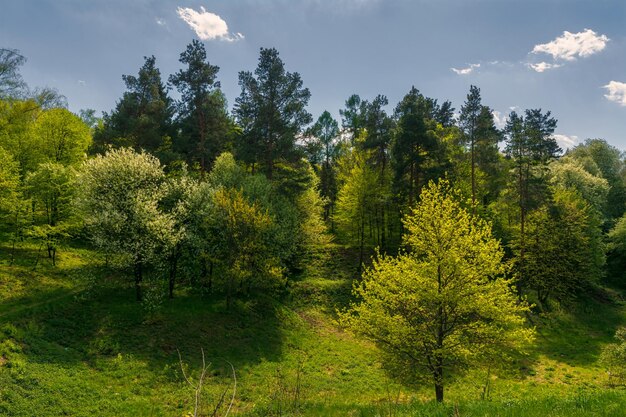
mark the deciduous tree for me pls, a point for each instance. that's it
(444, 306)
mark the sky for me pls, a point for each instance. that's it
(565, 56)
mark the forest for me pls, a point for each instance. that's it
(179, 257)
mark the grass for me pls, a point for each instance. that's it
(74, 342)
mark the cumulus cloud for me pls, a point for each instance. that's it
(543, 66)
(570, 46)
(465, 71)
(616, 92)
(566, 141)
(208, 26)
(499, 119)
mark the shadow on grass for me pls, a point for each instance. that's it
(577, 336)
(109, 322)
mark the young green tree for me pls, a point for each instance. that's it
(9, 181)
(62, 136)
(613, 356)
(444, 306)
(119, 195)
(14, 208)
(355, 200)
(602, 159)
(240, 232)
(569, 173)
(51, 189)
(202, 114)
(17, 121)
(271, 111)
(564, 252)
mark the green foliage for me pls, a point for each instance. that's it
(415, 145)
(271, 111)
(63, 137)
(9, 181)
(616, 252)
(355, 200)
(569, 173)
(321, 143)
(51, 188)
(442, 310)
(445, 306)
(119, 195)
(613, 356)
(241, 234)
(17, 119)
(564, 253)
(202, 114)
(142, 118)
(601, 159)
(323, 147)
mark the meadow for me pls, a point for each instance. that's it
(73, 341)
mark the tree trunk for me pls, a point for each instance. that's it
(173, 268)
(439, 391)
(362, 242)
(138, 269)
(411, 184)
(438, 369)
(473, 174)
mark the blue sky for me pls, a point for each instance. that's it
(517, 52)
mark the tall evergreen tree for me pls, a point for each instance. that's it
(468, 122)
(202, 113)
(143, 116)
(488, 159)
(325, 144)
(531, 145)
(413, 144)
(271, 110)
(352, 116)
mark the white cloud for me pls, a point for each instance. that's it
(82, 82)
(499, 119)
(566, 141)
(160, 22)
(570, 46)
(465, 71)
(208, 26)
(543, 66)
(616, 92)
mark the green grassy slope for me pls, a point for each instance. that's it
(71, 348)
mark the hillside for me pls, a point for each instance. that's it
(74, 342)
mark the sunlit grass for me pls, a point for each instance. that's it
(74, 342)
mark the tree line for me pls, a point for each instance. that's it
(185, 192)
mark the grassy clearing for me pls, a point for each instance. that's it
(71, 348)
